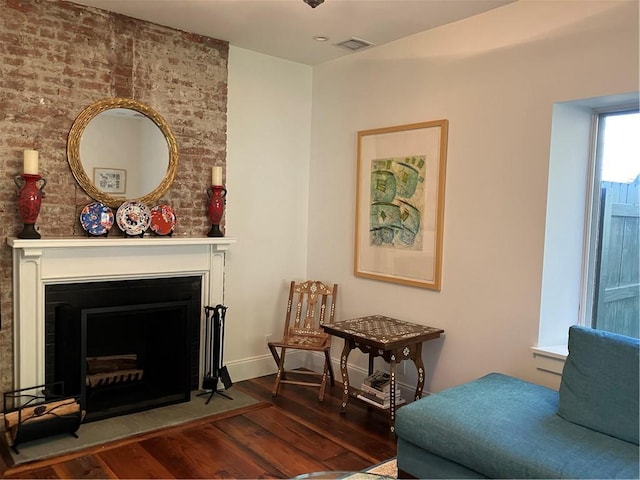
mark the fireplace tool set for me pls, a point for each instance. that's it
(214, 353)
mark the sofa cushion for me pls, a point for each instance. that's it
(422, 464)
(599, 387)
(503, 427)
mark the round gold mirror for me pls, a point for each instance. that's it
(121, 149)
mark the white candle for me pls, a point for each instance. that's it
(216, 176)
(30, 166)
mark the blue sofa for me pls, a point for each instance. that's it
(501, 427)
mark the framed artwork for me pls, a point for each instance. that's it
(400, 203)
(110, 180)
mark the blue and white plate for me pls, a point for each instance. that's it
(133, 218)
(96, 218)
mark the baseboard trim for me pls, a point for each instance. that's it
(263, 365)
(253, 367)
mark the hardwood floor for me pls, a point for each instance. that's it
(277, 438)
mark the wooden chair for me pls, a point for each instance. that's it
(311, 304)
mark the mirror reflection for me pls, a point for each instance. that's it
(120, 149)
(124, 152)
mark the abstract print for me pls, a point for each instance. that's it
(397, 202)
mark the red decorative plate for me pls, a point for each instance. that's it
(163, 220)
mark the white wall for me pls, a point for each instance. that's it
(291, 175)
(267, 177)
(495, 77)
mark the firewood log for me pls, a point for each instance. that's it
(41, 411)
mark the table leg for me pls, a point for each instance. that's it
(345, 374)
(417, 360)
(392, 387)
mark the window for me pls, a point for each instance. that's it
(585, 136)
(612, 300)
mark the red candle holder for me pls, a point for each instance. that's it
(217, 198)
(30, 196)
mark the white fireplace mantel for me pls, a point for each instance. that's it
(37, 263)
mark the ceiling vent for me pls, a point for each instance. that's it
(354, 44)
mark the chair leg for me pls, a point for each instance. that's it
(276, 357)
(331, 375)
(323, 383)
(274, 353)
(276, 384)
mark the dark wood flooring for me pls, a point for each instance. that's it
(277, 438)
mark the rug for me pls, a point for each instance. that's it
(103, 431)
(387, 468)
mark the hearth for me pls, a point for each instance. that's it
(124, 346)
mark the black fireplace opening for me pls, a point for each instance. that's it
(136, 358)
(124, 346)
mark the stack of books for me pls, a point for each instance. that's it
(376, 390)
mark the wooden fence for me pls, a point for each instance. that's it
(617, 288)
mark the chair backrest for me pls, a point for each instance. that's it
(311, 304)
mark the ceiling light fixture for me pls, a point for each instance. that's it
(313, 3)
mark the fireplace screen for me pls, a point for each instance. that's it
(135, 357)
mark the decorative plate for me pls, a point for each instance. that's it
(133, 218)
(96, 218)
(163, 219)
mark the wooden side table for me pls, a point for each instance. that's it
(380, 336)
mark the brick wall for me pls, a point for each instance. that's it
(56, 58)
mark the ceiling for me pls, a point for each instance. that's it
(285, 28)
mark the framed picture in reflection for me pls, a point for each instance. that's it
(110, 180)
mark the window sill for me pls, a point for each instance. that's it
(550, 359)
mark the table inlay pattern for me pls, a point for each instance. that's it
(379, 336)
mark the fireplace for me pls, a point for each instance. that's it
(46, 267)
(124, 346)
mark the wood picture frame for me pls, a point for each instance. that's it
(110, 180)
(400, 184)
